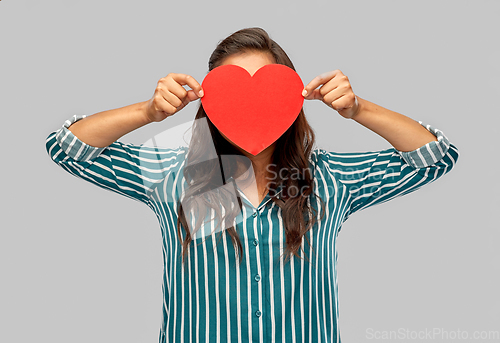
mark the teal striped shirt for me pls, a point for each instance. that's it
(214, 299)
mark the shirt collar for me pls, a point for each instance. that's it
(280, 188)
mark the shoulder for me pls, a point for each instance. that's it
(147, 149)
(149, 156)
(340, 160)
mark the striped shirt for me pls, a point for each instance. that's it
(214, 299)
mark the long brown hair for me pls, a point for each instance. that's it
(291, 155)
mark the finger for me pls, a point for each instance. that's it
(319, 80)
(191, 96)
(184, 79)
(333, 95)
(329, 86)
(164, 106)
(172, 99)
(341, 103)
(184, 103)
(176, 89)
(314, 95)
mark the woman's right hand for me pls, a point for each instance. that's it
(170, 97)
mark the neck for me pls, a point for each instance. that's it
(261, 161)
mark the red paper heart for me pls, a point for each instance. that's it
(252, 111)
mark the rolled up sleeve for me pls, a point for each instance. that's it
(430, 153)
(127, 169)
(375, 177)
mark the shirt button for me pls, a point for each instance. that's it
(255, 242)
(257, 277)
(258, 313)
(255, 214)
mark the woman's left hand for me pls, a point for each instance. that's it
(336, 92)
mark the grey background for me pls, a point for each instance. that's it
(83, 264)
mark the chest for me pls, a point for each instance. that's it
(255, 193)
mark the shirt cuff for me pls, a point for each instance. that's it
(74, 147)
(430, 153)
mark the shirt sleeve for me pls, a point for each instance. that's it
(375, 177)
(126, 169)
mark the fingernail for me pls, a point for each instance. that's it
(304, 92)
(201, 93)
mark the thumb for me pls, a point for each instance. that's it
(313, 95)
(191, 95)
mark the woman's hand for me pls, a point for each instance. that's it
(170, 97)
(335, 91)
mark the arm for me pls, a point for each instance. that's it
(404, 133)
(103, 128)
(87, 146)
(374, 177)
(134, 171)
(420, 153)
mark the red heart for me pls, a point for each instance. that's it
(252, 111)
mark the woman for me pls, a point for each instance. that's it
(277, 281)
